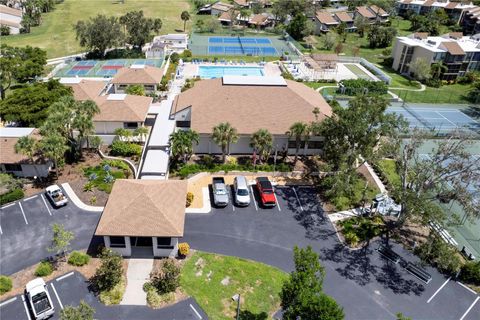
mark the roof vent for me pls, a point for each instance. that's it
(431, 42)
(116, 97)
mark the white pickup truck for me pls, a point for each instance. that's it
(39, 299)
(55, 194)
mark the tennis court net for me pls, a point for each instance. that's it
(418, 117)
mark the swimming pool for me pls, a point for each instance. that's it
(211, 72)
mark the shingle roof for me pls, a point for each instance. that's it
(451, 5)
(243, 3)
(364, 12)
(428, 3)
(144, 208)
(10, 24)
(343, 16)
(326, 18)
(420, 35)
(258, 19)
(131, 109)
(7, 149)
(87, 89)
(249, 107)
(453, 48)
(10, 11)
(378, 10)
(222, 6)
(145, 75)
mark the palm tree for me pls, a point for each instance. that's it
(182, 142)
(84, 124)
(437, 69)
(54, 147)
(141, 132)
(299, 131)
(223, 135)
(27, 146)
(185, 16)
(123, 134)
(262, 142)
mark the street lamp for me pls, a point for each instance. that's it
(236, 297)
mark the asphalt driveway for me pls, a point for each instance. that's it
(26, 230)
(366, 285)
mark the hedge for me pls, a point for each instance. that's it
(189, 169)
(125, 149)
(45, 268)
(15, 194)
(5, 284)
(354, 87)
(78, 258)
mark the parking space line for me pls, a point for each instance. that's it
(276, 200)
(56, 294)
(64, 276)
(8, 301)
(32, 197)
(23, 212)
(466, 287)
(196, 312)
(438, 290)
(45, 202)
(26, 308)
(8, 205)
(298, 199)
(253, 197)
(1, 231)
(470, 308)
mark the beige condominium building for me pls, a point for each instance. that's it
(460, 54)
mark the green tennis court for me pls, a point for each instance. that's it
(357, 71)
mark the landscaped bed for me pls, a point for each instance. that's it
(213, 279)
(388, 169)
(358, 230)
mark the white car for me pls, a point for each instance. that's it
(55, 194)
(39, 299)
(242, 195)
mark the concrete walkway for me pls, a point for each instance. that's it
(138, 273)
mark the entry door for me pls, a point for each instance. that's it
(141, 241)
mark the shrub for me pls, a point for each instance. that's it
(116, 164)
(109, 274)
(168, 279)
(125, 149)
(440, 254)
(174, 57)
(190, 197)
(78, 258)
(471, 273)
(88, 187)
(186, 54)
(113, 295)
(352, 87)
(45, 268)
(232, 160)
(5, 284)
(434, 83)
(14, 195)
(351, 238)
(108, 178)
(183, 248)
(287, 75)
(156, 300)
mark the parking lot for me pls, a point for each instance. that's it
(71, 288)
(25, 230)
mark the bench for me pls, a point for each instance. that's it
(389, 254)
(418, 272)
(467, 253)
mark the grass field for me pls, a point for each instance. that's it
(258, 284)
(454, 93)
(56, 34)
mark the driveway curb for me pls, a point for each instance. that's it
(74, 198)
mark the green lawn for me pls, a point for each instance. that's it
(56, 33)
(388, 167)
(454, 93)
(316, 85)
(258, 284)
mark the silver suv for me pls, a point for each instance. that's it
(242, 194)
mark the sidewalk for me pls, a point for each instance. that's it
(138, 273)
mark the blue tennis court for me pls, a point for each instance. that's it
(86, 63)
(442, 120)
(77, 72)
(236, 50)
(239, 40)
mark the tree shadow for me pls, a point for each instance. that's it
(391, 279)
(248, 315)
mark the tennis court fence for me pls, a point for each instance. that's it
(418, 117)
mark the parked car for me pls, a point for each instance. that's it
(55, 194)
(220, 192)
(39, 299)
(242, 194)
(265, 189)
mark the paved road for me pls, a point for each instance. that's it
(26, 230)
(367, 286)
(73, 287)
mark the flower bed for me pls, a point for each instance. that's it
(104, 175)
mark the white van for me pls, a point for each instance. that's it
(242, 194)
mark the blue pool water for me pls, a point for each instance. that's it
(210, 72)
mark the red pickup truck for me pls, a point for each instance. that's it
(265, 189)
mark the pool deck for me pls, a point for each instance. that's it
(190, 70)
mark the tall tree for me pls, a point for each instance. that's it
(262, 142)
(300, 132)
(437, 69)
(224, 135)
(361, 24)
(182, 142)
(99, 33)
(27, 146)
(302, 294)
(296, 27)
(421, 69)
(54, 146)
(185, 16)
(380, 36)
(139, 28)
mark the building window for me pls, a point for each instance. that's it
(13, 167)
(130, 125)
(117, 242)
(149, 87)
(164, 243)
(293, 144)
(315, 145)
(183, 124)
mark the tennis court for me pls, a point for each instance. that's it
(104, 68)
(357, 71)
(439, 120)
(240, 46)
